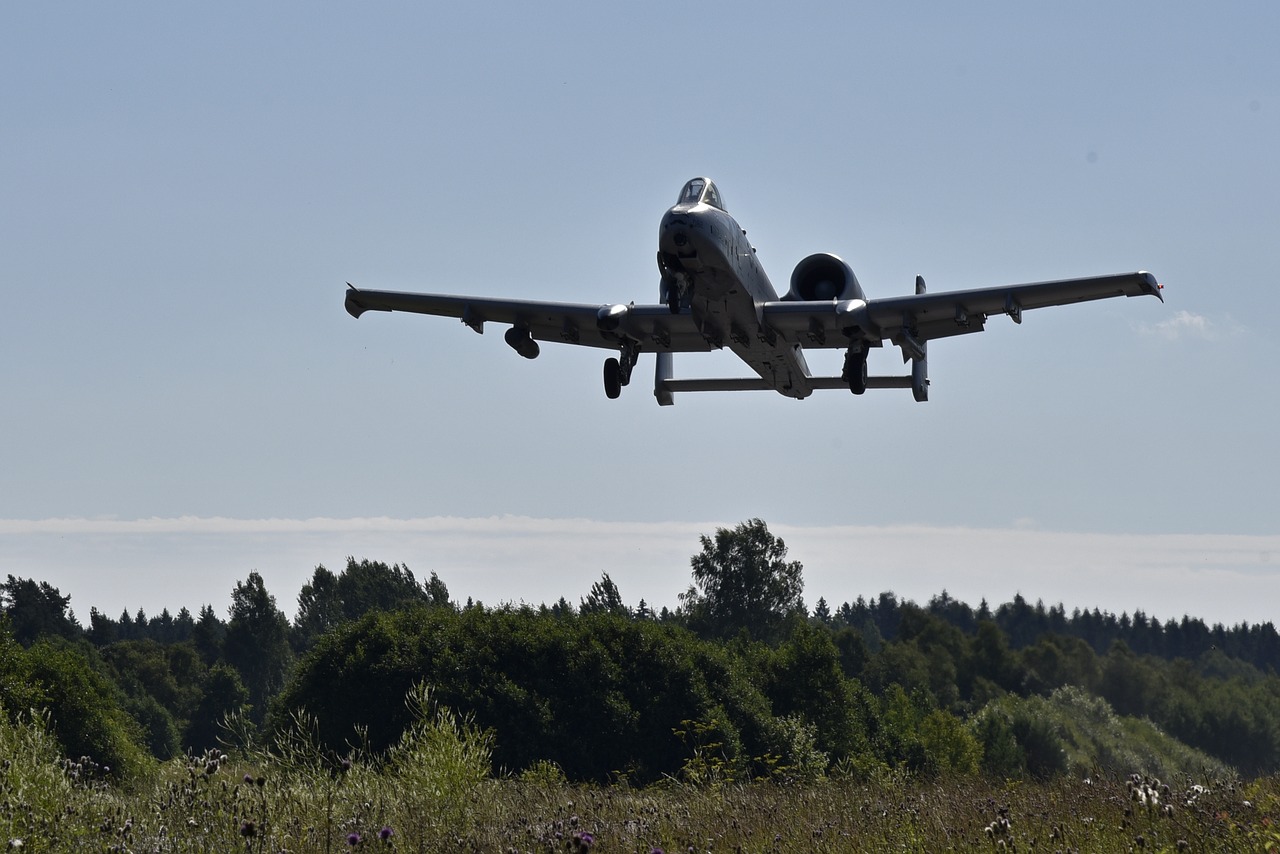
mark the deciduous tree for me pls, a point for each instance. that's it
(743, 580)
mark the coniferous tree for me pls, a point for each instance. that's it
(36, 610)
(604, 598)
(257, 642)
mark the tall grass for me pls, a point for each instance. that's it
(434, 791)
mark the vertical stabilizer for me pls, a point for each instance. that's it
(660, 377)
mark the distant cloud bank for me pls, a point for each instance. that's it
(114, 564)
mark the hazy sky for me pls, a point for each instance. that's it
(184, 190)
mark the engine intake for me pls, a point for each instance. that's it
(823, 277)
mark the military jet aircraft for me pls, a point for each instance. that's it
(714, 293)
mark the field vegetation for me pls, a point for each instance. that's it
(385, 716)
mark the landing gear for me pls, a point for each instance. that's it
(674, 287)
(617, 372)
(855, 370)
(612, 379)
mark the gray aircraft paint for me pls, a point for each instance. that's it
(716, 294)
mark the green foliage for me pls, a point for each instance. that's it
(950, 747)
(257, 643)
(36, 610)
(604, 598)
(319, 608)
(800, 758)
(222, 695)
(298, 797)
(743, 583)
(34, 791)
(803, 677)
(544, 774)
(364, 586)
(438, 766)
(1228, 709)
(158, 730)
(600, 691)
(84, 707)
(1073, 730)
(708, 764)
(17, 692)
(599, 694)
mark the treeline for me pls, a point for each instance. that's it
(741, 679)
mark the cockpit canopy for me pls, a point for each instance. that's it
(701, 190)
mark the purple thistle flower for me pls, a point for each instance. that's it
(248, 778)
(385, 834)
(353, 839)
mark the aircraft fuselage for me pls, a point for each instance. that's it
(705, 255)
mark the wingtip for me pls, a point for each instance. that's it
(351, 303)
(1151, 285)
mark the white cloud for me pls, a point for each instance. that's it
(1184, 324)
(189, 561)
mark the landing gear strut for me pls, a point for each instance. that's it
(617, 372)
(674, 287)
(855, 369)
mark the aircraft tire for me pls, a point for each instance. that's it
(612, 379)
(858, 375)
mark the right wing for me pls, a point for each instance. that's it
(654, 326)
(925, 316)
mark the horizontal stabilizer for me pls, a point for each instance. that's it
(757, 384)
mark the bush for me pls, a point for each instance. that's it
(599, 695)
(84, 708)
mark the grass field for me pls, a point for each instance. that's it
(434, 792)
(207, 804)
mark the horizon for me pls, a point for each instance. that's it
(526, 560)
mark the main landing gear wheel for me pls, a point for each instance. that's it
(855, 371)
(612, 379)
(617, 372)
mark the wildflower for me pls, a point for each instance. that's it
(248, 778)
(353, 839)
(385, 834)
(15, 844)
(248, 829)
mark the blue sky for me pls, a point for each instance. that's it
(186, 190)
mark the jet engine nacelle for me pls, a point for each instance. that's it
(823, 277)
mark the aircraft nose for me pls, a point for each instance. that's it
(675, 231)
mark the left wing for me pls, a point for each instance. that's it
(605, 326)
(923, 316)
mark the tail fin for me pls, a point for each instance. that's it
(663, 373)
(665, 366)
(920, 366)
